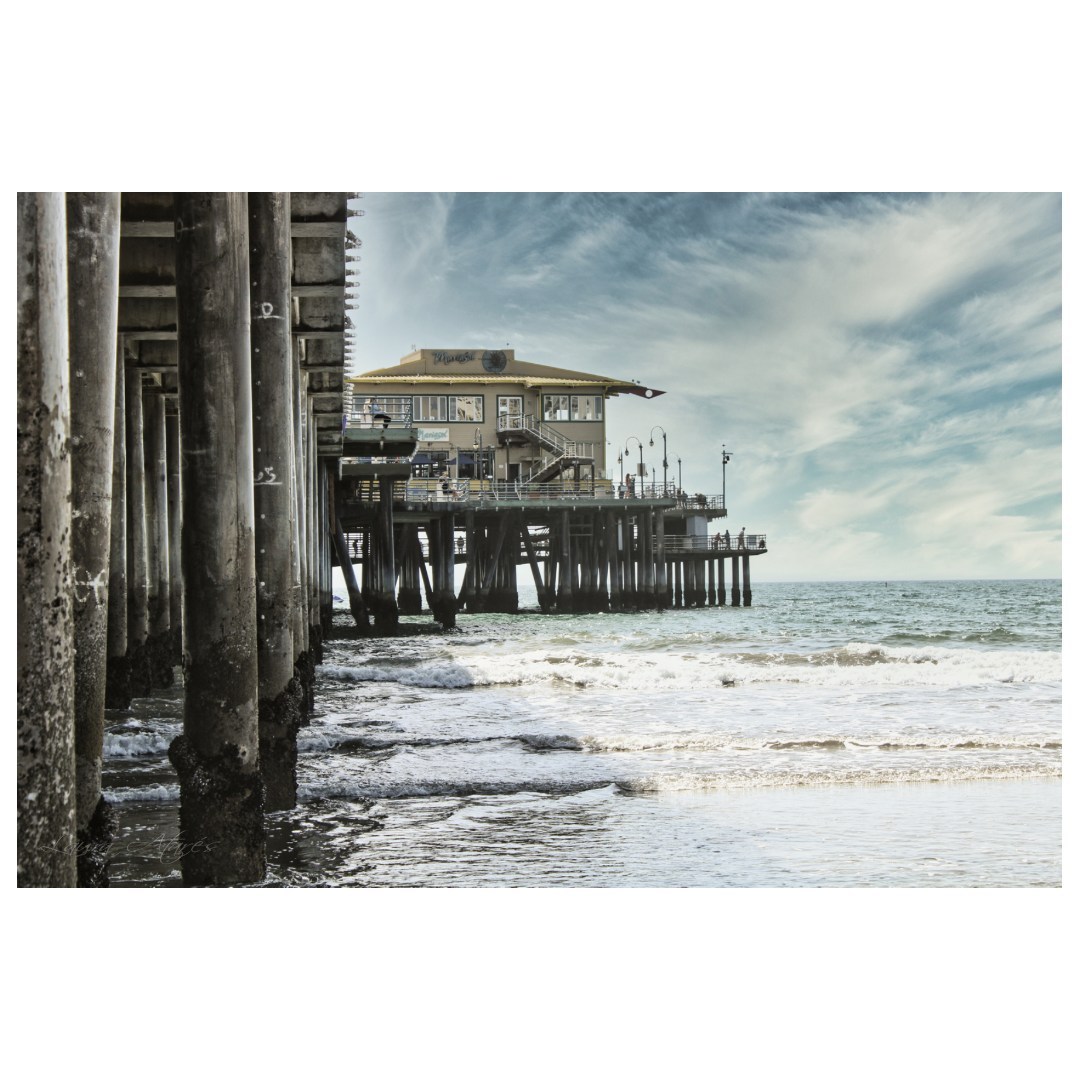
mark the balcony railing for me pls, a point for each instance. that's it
(375, 412)
(716, 542)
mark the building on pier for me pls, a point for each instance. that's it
(472, 458)
(483, 415)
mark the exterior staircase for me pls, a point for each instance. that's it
(559, 452)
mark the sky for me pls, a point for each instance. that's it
(884, 369)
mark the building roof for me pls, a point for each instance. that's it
(481, 366)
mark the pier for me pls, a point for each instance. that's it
(193, 460)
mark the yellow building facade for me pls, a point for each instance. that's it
(483, 416)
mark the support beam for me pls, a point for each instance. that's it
(217, 756)
(93, 274)
(157, 540)
(280, 694)
(176, 578)
(356, 601)
(385, 600)
(541, 592)
(46, 640)
(118, 666)
(138, 619)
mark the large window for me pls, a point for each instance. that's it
(428, 408)
(556, 407)
(586, 407)
(465, 408)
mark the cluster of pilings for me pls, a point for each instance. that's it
(164, 524)
(612, 558)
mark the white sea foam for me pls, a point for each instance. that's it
(771, 778)
(150, 793)
(857, 665)
(143, 744)
(414, 788)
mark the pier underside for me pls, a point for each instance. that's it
(585, 555)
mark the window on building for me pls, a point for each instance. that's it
(475, 464)
(428, 408)
(556, 407)
(587, 407)
(465, 408)
(430, 464)
(510, 410)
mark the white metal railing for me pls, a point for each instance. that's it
(716, 542)
(422, 489)
(374, 412)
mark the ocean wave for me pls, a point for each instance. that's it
(725, 742)
(413, 789)
(857, 664)
(142, 744)
(150, 793)
(929, 774)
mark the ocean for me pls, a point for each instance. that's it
(836, 734)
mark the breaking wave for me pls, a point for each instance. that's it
(143, 744)
(857, 664)
(772, 778)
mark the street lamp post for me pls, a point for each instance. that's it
(679, 460)
(725, 457)
(664, 435)
(641, 461)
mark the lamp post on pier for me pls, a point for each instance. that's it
(725, 457)
(679, 460)
(663, 434)
(641, 461)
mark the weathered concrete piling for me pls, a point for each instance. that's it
(93, 257)
(118, 666)
(158, 611)
(138, 581)
(46, 647)
(217, 756)
(272, 403)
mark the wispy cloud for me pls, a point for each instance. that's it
(885, 365)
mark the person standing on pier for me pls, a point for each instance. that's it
(742, 538)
